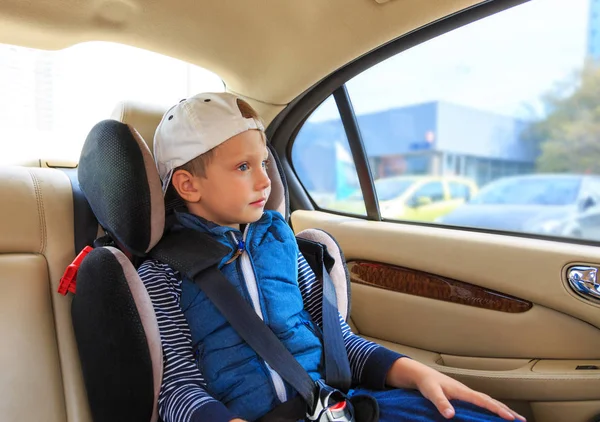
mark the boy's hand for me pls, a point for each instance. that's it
(440, 389)
(237, 420)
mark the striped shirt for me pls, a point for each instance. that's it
(183, 396)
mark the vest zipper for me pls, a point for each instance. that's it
(239, 251)
(252, 288)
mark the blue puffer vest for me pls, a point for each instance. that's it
(234, 374)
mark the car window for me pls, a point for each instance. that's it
(459, 190)
(50, 100)
(493, 107)
(323, 162)
(431, 190)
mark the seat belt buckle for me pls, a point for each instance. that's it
(69, 279)
(331, 405)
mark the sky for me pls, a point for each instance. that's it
(504, 64)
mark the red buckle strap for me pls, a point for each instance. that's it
(69, 278)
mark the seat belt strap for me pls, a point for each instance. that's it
(85, 223)
(337, 366)
(180, 250)
(254, 331)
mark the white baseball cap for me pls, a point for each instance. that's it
(195, 126)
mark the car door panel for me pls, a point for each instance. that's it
(529, 356)
(511, 379)
(530, 269)
(469, 331)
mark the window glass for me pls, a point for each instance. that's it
(49, 100)
(512, 112)
(323, 162)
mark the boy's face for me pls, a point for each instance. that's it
(236, 186)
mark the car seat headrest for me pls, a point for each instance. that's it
(120, 181)
(143, 117)
(278, 199)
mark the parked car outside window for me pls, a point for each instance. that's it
(551, 204)
(418, 198)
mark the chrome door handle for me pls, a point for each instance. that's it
(584, 280)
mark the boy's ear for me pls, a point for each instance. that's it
(186, 185)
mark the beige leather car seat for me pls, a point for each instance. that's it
(143, 117)
(41, 377)
(41, 369)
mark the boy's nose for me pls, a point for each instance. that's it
(263, 181)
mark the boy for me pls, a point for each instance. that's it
(212, 150)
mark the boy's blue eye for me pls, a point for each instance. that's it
(265, 164)
(243, 167)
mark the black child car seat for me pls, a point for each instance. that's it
(115, 325)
